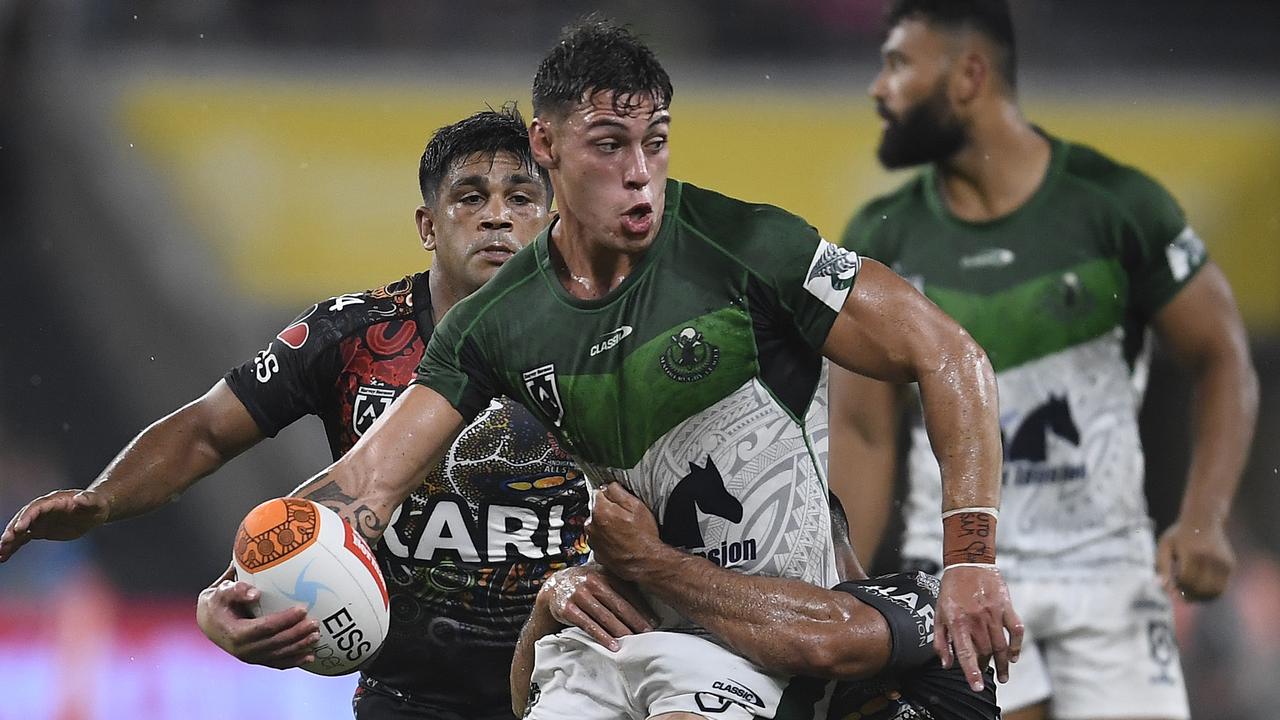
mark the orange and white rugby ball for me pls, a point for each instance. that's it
(301, 554)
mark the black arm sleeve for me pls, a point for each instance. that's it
(907, 601)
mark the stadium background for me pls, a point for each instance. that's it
(178, 180)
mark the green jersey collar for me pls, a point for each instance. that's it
(660, 241)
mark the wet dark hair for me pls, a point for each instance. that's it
(990, 18)
(486, 133)
(595, 55)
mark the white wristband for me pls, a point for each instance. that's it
(993, 512)
(988, 566)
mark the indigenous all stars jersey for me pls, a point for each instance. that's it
(1060, 294)
(465, 555)
(692, 383)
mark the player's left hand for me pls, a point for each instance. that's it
(590, 599)
(974, 610)
(1196, 559)
(621, 532)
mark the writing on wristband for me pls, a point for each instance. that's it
(969, 536)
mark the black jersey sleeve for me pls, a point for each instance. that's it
(278, 386)
(908, 601)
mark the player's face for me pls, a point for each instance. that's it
(487, 208)
(912, 97)
(609, 169)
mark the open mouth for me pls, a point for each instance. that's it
(638, 219)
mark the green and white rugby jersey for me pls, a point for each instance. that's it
(1060, 294)
(693, 383)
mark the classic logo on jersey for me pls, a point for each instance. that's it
(689, 357)
(1027, 452)
(989, 258)
(831, 274)
(369, 405)
(610, 340)
(1185, 253)
(545, 392)
(728, 686)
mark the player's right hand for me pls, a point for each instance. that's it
(603, 606)
(280, 640)
(60, 515)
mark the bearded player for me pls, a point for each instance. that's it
(467, 550)
(1058, 260)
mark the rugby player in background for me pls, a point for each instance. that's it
(461, 579)
(1058, 260)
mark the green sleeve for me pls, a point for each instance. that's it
(455, 366)
(858, 235)
(810, 277)
(1166, 252)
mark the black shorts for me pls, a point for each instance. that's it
(914, 685)
(376, 701)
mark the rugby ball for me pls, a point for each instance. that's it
(301, 554)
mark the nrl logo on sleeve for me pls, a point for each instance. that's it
(369, 405)
(1184, 254)
(545, 392)
(831, 274)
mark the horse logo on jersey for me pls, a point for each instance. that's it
(703, 490)
(545, 392)
(1027, 452)
(369, 405)
(689, 357)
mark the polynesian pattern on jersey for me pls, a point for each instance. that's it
(693, 383)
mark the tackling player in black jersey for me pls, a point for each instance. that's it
(874, 636)
(468, 550)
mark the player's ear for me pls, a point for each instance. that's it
(542, 143)
(972, 77)
(426, 227)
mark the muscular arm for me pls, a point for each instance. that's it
(154, 468)
(889, 331)
(864, 431)
(388, 462)
(786, 626)
(1202, 329)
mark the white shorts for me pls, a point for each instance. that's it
(1096, 646)
(653, 673)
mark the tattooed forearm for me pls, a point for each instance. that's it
(326, 491)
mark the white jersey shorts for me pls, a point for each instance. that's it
(1096, 646)
(653, 673)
